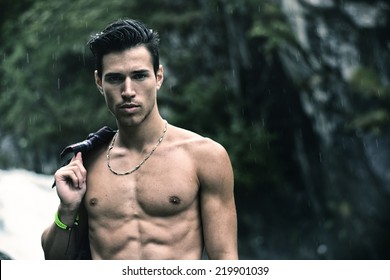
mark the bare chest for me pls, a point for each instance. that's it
(163, 186)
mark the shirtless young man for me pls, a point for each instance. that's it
(178, 200)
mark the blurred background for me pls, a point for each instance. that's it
(298, 91)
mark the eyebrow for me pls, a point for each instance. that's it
(141, 71)
(112, 74)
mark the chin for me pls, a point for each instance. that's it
(129, 122)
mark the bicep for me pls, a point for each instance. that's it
(218, 207)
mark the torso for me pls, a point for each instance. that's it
(153, 213)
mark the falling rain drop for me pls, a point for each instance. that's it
(28, 58)
(59, 83)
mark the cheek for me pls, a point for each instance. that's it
(109, 96)
(110, 101)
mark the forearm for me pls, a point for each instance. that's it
(224, 256)
(61, 243)
(228, 251)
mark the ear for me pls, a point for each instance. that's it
(159, 77)
(98, 82)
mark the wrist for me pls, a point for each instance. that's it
(66, 221)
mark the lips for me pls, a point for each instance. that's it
(129, 107)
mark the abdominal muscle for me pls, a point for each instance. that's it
(143, 237)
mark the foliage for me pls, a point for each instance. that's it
(368, 88)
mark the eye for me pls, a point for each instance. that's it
(140, 76)
(113, 79)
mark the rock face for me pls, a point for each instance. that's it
(347, 167)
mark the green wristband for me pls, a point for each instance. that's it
(61, 225)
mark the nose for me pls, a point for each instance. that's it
(127, 90)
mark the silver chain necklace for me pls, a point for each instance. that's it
(142, 162)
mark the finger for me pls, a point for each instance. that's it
(79, 175)
(73, 158)
(79, 157)
(77, 160)
(68, 176)
(73, 174)
(76, 157)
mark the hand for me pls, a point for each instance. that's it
(71, 182)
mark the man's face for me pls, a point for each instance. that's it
(129, 84)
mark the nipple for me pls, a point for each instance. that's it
(174, 200)
(93, 201)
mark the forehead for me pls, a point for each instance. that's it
(128, 60)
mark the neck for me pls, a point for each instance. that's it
(148, 155)
(141, 135)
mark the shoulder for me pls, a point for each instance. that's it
(195, 144)
(91, 157)
(210, 157)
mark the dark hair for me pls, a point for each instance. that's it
(121, 35)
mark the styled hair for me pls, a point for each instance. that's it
(121, 35)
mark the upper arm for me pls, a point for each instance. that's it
(218, 209)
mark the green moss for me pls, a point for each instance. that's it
(367, 83)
